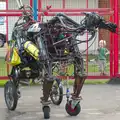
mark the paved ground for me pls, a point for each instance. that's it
(100, 102)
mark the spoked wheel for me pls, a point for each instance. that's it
(10, 94)
(57, 93)
(71, 111)
(46, 110)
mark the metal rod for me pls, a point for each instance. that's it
(80, 14)
(35, 9)
(21, 2)
(67, 10)
(18, 3)
(7, 33)
(4, 78)
(86, 10)
(31, 3)
(87, 44)
(111, 43)
(63, 4)
(81, 10)
(13, 11)
(116, 38)
(10, 14)
(52, 14)
(111, 51)
(39, 9)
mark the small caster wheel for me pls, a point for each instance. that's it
(46, 110)
(10, 94)
(70, 110)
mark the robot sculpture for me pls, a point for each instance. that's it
(37, 46)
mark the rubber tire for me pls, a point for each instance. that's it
(74, 112)
(46, 110)
(14, 93)
(60, 97)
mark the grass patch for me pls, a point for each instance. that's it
(94, 82)
(2, 82)
(91, 67)
(95, 68)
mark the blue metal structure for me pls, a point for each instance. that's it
(35, 9)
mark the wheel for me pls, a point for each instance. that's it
(56, 93)
(72, 112)
(10, 94)
(46, 110)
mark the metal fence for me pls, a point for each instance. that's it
(9, 11)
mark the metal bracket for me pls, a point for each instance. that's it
(74, 103)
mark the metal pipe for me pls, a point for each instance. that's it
(10, 14)
(51, 14)
(7, 34)
(69, 10)
(63, 4)
(18, 3)
(7, 21)
(111, 44)
(4, 78)
(116, 19)
(80, 14)
(9, 11)
(39, 9)
(35, 9)
(87, 44)
(111, 51)
(31, 3)
(81, 10)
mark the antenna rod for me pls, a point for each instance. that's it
(21, 2)
(18, 3)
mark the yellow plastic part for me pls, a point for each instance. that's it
(31, 49)
(12, 57)
(66, 51)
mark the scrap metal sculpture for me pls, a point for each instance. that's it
(39, 45)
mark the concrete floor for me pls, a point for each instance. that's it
(100, 102)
